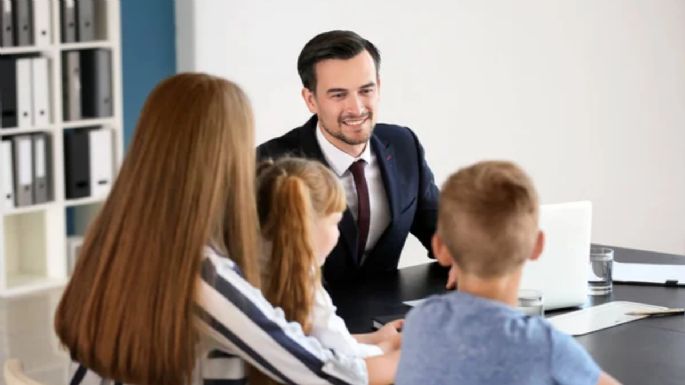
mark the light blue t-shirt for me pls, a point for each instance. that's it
(458, 338)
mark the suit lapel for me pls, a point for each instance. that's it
(385, 156)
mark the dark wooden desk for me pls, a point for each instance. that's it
(645, 352)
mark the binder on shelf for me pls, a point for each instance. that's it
(23, 25)
(85, 17)
(41, 22)
(8, 92)
(23, 178)
(76, 163)
(41, 95)
(71, 85)
(68, 18)
(6, 175)
(96, 77)
(24, 93)
(6, 23)
(41, 175)
(100, 151)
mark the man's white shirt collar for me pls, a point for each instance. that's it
(339, 160)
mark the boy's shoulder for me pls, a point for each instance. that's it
(462, 315)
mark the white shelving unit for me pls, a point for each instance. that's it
(33, 247)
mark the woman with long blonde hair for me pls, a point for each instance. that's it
(299, 203)
(164, 290)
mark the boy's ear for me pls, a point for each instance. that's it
(539, 246)
(309, 100)
(442, 254)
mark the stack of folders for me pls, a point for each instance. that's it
(80, 21)
(88, 162)
(87, 84)
(24, 23)
(24, 92)
(25, 172)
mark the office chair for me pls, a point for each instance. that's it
(14, 374)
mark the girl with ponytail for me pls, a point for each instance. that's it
(299, 204)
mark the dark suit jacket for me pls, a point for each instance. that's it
(412, 197)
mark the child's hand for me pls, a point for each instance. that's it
(389, 338)
(391, 343)
(389, 330)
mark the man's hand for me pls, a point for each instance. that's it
(452, 278)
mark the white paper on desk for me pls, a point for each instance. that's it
(414, 303)
(648, 273)
(599, 317)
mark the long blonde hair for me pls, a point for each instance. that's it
(187, 180)
(290, 193)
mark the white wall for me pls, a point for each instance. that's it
(588, 96)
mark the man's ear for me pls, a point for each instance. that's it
(539, 246)
(442, 254)
(310, 100)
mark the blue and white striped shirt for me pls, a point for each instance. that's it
(237, 324)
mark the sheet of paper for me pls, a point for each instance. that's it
(415, 302)
(648, 273)
(599, 317)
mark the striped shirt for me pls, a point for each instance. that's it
(237, 324)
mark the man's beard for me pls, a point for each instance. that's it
(349, 141)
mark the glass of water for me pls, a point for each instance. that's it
(530, 302)
(599, 274)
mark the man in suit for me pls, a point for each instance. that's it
(389, 186)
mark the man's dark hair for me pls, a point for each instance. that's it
(332, 45)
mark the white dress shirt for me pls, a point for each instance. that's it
(340, 163)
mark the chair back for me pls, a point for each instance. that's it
(14, 374)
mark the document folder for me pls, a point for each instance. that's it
(100, 142)
(6, 24)
(41, 177)
(23, 25)
(68, 17)
(647, 273)
(6, 175)
(8, 92)
(85, 17)
(23, 178)
(41, 98)
(71, 85)
(41, 23)
(591, 319)
(76, 163)
(96, 80)
(24, 93)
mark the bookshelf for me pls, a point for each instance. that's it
(33, 237)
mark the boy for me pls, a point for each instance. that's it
(488, 228)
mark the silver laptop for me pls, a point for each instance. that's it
(561, 271)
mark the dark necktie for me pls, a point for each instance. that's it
(363, 215)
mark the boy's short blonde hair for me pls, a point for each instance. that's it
(488, 218)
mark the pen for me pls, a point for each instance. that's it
(658, 312)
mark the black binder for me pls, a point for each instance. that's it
(85, 17)
(6, 24)
(23, 22)
(76, 163)
(96, 83)
(8, 92)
